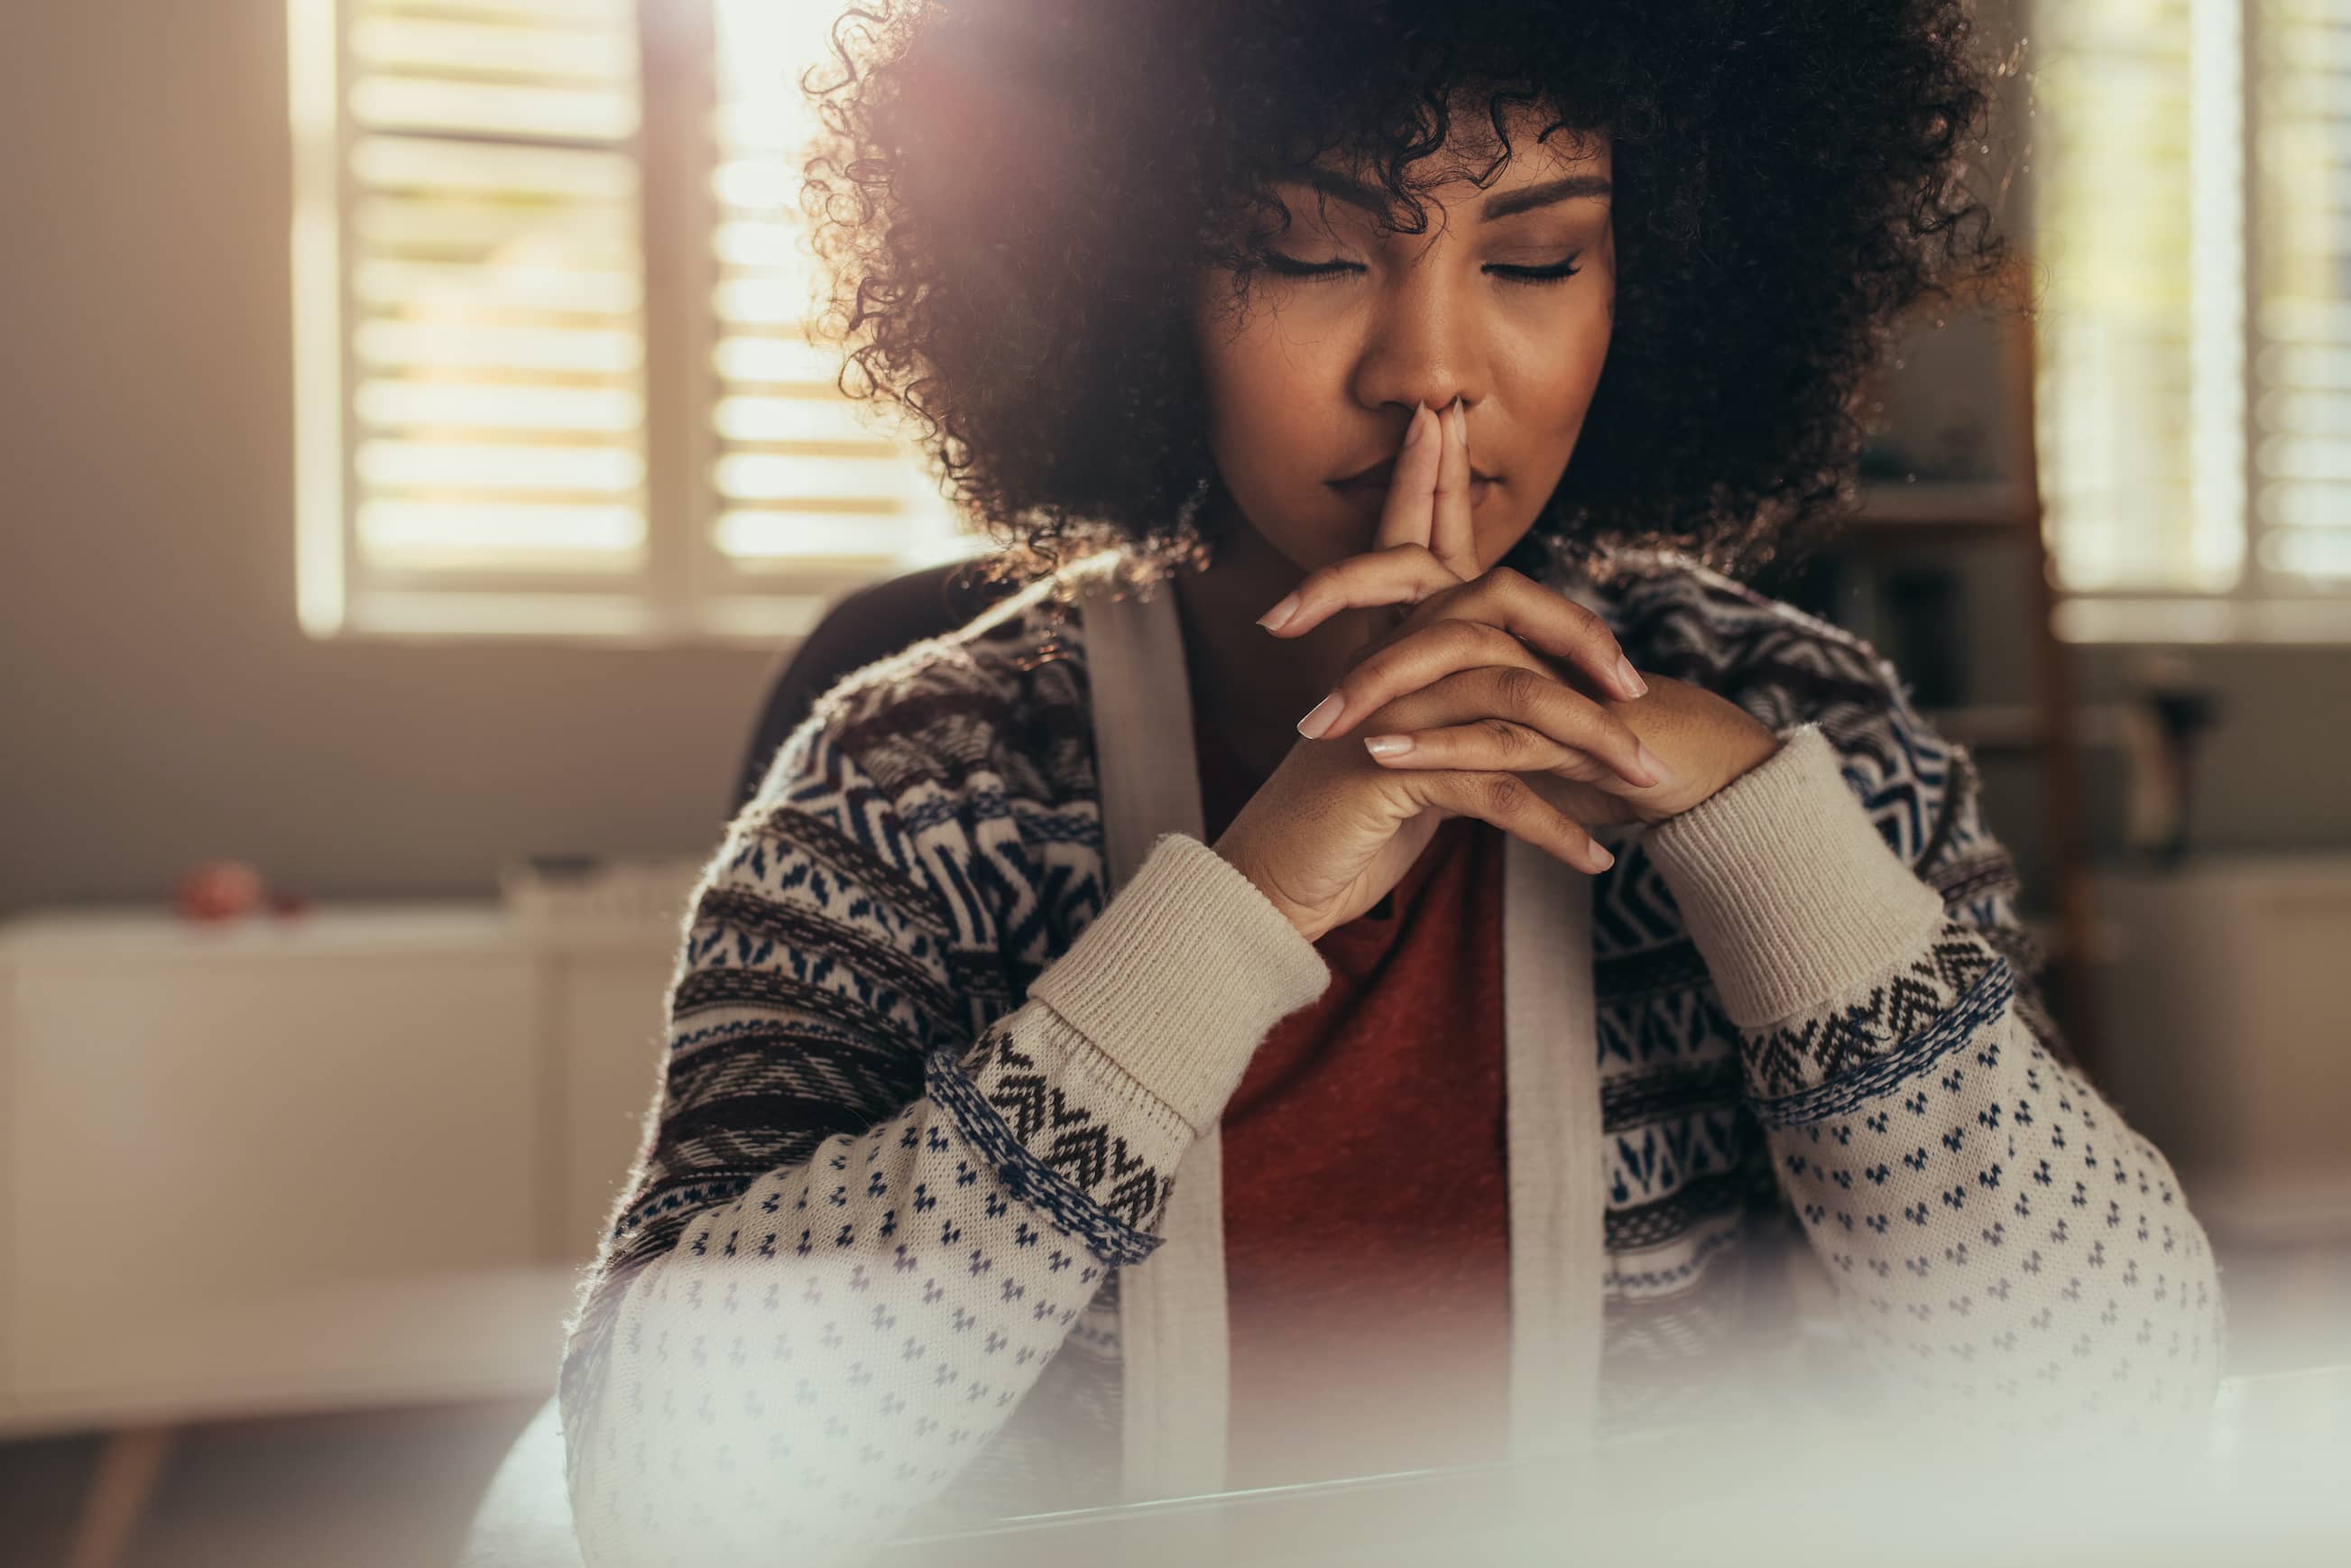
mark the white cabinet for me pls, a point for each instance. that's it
(613, 1026)
(2230, 1026)
(355, 1158)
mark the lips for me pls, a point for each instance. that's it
(1366, 493)
(1379, 475)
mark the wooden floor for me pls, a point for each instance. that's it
(375, 1489)
(398, 1488)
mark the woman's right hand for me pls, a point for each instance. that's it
(1331, 832)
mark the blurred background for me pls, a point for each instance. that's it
(415, 482)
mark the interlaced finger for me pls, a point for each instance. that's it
(1519, 719)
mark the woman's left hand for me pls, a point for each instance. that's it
(1518, 649)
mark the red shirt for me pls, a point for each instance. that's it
(1365, 1205)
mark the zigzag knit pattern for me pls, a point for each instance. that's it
(866, 1270)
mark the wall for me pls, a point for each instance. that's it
(158, 702)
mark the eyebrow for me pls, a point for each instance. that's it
(1502, 204)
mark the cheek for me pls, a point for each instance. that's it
(1233, 358)
(1558, 375)
(1262, 397)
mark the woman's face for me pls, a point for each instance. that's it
(1318, 377)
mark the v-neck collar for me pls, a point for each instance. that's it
(1173, 1312)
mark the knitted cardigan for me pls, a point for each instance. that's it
(929, 1079)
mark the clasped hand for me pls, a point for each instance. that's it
(1536, 684)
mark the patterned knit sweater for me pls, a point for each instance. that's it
(926, 1088)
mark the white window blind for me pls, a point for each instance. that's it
(799, 478)
(2193, 214)
(551, 281)
(2301, 304)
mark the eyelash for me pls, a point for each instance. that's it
(1291, 266)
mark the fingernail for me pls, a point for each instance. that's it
(1387, 745)
(1460, 424)
(1413, 431)
(1275, 619)
(1601, 858)
(1653, 763)
(1318, 719)
(1629, 679)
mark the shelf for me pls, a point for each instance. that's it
(2022, 726)
(141, 932)
(1889, 513)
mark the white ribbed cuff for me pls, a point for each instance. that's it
(1789, 891)
(1180, 976)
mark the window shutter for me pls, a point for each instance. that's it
(804, 481)
(552, 282)
(2135, 259)
(2193, 216)
(486, 226)
(2302, 302)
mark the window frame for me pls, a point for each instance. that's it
(687, 591)
(2263, 606)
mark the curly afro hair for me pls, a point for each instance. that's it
(1013, 198)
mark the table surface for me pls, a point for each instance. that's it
(2268, 1487)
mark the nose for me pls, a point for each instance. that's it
(1419, 346)
(1397, 417)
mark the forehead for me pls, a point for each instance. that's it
(1474, 162)
(1483, 194)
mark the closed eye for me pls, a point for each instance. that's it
(1291, 266)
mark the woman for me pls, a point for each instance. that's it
(1443, 361)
